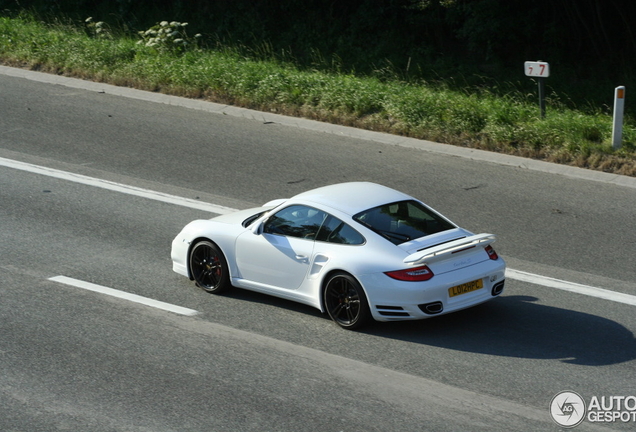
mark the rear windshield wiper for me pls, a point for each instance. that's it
(386, 234)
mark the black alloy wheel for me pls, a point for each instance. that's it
(345, 301)
(209, 268)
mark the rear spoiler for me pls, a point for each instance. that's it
(439, 252)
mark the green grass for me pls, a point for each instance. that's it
(473, 117)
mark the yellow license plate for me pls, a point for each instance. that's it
(465, 288)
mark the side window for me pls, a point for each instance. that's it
(296, 221)
(336, 231)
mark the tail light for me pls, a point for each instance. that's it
(416, 274)
(491, 253)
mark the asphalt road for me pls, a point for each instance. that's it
(77, 360)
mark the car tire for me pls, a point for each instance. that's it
(345, 301)
(209, 268)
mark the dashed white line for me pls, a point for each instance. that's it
(116, 187)
(571, 287)
(217, 209)
(123, 295)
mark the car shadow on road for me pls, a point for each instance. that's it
(517, 326)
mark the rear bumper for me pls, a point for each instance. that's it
(391, 300)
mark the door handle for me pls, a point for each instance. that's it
(302, 258)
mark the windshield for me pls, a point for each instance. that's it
(403, 221)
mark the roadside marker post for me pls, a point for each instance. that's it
(541, 70)
(542, 96)
(619, 107)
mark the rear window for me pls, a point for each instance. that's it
(403, 221)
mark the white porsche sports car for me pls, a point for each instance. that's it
(354, 250)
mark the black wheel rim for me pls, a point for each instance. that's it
(343, 301)
(207, 269)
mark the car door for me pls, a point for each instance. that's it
(281, 254)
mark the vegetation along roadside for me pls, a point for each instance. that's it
(164, 58)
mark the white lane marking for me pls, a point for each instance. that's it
(117, 187)
(186, 202)
(123, 295)
(571, 287)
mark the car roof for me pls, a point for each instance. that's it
(352, 197)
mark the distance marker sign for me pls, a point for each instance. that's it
(540, 70)
(537, 69)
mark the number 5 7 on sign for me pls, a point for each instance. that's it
(537, 69)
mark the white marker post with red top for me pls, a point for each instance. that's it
(619, 106)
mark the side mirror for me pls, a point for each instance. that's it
(257, 228)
